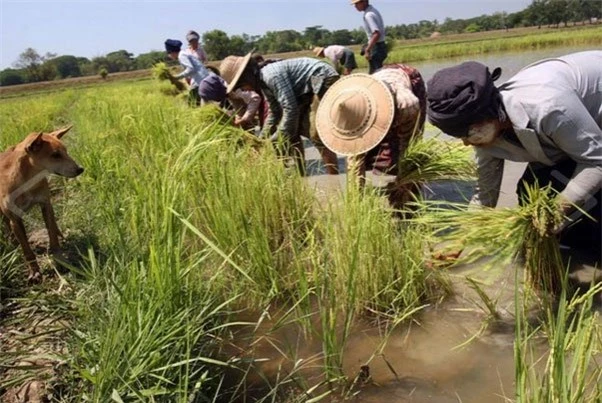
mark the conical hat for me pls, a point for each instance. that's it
(355, 114)
(231, 68)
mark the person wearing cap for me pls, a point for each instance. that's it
(376, 49)
(194, 48)
(339, 56)
(246, 103)
(373, 118)
(549, 114)
(290, 87)
(194, 71)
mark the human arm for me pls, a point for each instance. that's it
(371, 42)
(273, 116)
(188, 65)
(252, 101)
(490, 171)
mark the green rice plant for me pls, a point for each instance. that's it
(437, 50)
(371, 266)
(160, 71)
(504, 234)
(431, 160)
(570, 370)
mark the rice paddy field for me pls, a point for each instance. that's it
(197, 267)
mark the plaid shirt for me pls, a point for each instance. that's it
(283, 83)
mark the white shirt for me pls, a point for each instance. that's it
(194, 69)
(374, 22)
(334, 53)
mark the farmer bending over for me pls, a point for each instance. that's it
(549, 115)
(290, 87)
(246, 103)
(372, 118)
(194, 70)
(339, 56)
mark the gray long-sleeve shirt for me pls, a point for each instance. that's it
(555, 106)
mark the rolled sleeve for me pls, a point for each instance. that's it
(490, 173)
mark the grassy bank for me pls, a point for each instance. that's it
(178, 229)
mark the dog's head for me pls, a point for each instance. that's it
(47, 151)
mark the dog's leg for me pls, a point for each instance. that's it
(18, 228)
(53, 229)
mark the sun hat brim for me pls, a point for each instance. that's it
(378, 115)
(239, 70)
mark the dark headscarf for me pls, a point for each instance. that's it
(461, 95)
(173, 45)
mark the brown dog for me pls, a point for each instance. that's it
(24, 169)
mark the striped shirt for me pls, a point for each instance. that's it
(283, 83)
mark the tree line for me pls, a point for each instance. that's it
(34, 67)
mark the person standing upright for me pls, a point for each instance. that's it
(376, 49)
(194, 47)
(194, 70)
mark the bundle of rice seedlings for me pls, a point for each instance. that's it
(504, 235)
(161, 72)
(429, 160)
(212, 114)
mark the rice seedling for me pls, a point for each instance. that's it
(504, 234)
(160, 71)
(570, 370)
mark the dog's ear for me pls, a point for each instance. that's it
(60, 132)
(35, 143)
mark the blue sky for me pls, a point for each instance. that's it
(94, 28)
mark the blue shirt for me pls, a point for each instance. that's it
(194, 69)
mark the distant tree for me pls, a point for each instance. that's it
(103, 72)
(120, 60)
(340, 37)
(33, 63)
(148, 60)
(315, 36)
(537, 13)
(11, 77)
(474, 27)
(217, 44)
(281, 41)
(66, 66)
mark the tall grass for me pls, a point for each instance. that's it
(570, 370)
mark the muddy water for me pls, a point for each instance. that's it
(429, 360)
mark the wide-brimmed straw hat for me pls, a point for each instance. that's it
(231, 68)
(318, 51)
(355, 114)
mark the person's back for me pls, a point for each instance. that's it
(553, 81)
(193, 68)
(298, 72)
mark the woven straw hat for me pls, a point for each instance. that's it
(318, 51)
(231, 68)
(355, 114)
